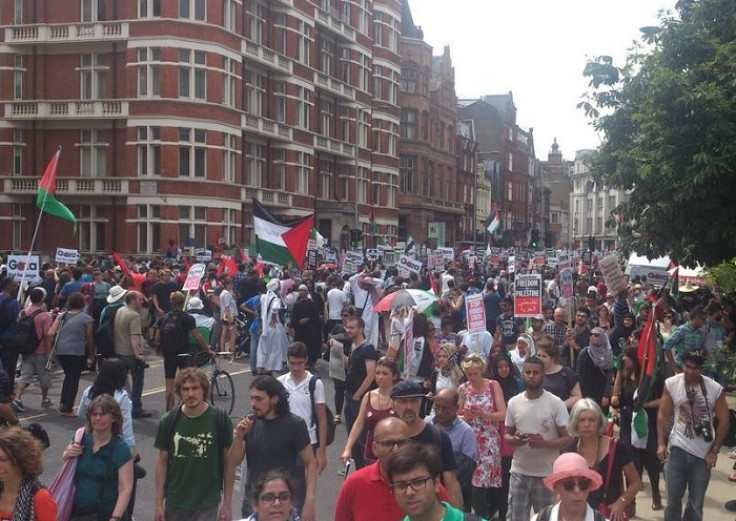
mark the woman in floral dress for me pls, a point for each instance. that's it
(482, 405)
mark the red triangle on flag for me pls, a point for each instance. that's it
(296, 239)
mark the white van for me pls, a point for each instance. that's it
(654, 270)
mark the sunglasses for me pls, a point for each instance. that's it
(583, 484)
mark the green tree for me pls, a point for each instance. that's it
(668, 117)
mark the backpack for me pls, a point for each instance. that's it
(105, 333)
(173, 340)
(26, 338)
(330, 416)
(4, 315)
(220, 433)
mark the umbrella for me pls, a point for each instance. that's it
(416, 298)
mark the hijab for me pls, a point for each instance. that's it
(601, 354)
(509, 385)
(453, 369)
(516, 357)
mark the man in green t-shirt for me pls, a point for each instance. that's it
(414, 473)
(194, 444)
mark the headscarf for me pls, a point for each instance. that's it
(602, 355)
(509, 385)
(516, 357)
(453, 369)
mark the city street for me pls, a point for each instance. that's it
(60, 431)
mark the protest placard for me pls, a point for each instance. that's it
(66, 256)
(475, 312)
(194, 276)
(612, 274)
(528, 295)
(408, 264)
(203, 255)
(17, 264)
(566, 282)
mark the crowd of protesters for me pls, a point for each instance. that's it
(520, 393)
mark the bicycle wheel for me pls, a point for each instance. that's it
(222, 391)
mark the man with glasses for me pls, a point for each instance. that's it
(414, 473)
(366, 494)
(407, 400)
(695, 441)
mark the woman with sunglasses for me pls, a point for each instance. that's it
(587, 424)
(573, 482)
(595, 368)
(272, 499)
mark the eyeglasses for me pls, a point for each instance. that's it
(582, 483)
(283, 497)
(390, 444)
(595, 334)
(416, 484)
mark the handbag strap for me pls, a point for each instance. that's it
(611, 456)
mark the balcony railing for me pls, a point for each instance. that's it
(60, 33)
(266, 56)
(334, 86)
(267, 196)
(66, 109)
(71, 186)
(333, 22)
(266, 127)
(333, 146)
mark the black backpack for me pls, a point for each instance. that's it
(105, 334)
(4, 314)
(173, 340)
(330, 416)
(26, 339)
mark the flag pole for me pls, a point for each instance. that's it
(21, 290)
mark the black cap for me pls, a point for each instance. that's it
(407, 389)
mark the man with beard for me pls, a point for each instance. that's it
(192, 444)
(407, 399)
(271, 438)
(536, 424)
(307, 323)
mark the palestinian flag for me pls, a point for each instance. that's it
(374, 225)
(492, 225)
(278, 241)
(647, 355)
(46, 199)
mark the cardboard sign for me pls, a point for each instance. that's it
(203, 255)
(494, 259)
(528, 295)
(612, 274)
(472, 261)
(408, 264)
(512, 264)
(194, 277)
(372, 254)
(66, 256)
(475, 311)
(539, 261)
(566, 282)
(447, 253)
(312, 259)
(563, 261)
(17, 264)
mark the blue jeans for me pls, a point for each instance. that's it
(255, 337)
(136, 370)
(683, 470)
(350, 414)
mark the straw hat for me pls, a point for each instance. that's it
(572, 465)
(688, 287)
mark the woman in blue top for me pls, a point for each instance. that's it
(272, 499)
(104, 474)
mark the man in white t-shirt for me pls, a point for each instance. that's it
(696, 401)
(336, 300)
(296, 382)
(536, 424)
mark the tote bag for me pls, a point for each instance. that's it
(62, 488)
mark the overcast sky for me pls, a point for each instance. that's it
(537, 49)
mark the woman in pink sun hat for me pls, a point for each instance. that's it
(571, 480)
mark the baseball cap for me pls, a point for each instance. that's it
(407, 389)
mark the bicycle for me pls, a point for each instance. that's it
(222, 388)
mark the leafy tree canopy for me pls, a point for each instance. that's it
(669, 120)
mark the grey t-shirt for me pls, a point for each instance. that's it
(72, 334)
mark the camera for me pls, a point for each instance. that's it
(703, 429)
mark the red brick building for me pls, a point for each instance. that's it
(173, 116)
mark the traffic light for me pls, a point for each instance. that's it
(534, 242)
(356, 236)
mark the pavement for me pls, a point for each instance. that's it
(61, 430)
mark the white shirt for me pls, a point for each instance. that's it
(478, 342)
(299, 402)
(543, 415)
(683, 436)
(336, 299)
(555, 514)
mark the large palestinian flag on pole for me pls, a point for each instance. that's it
(278, 241)
(647, 355)
(46, 199)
